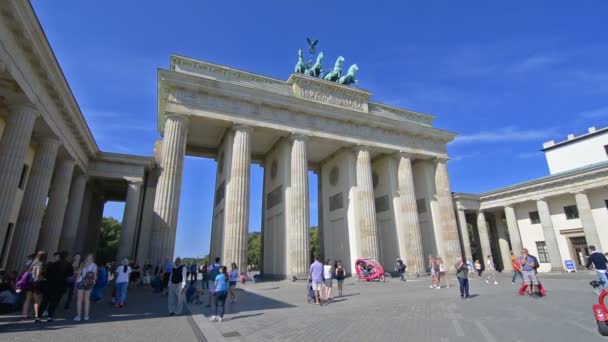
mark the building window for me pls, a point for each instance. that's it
(534, 218)
(543, 254)
(571, 212)
(23, 176)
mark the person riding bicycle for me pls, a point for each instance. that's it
(598, 259)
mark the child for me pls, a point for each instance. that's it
(243, 279)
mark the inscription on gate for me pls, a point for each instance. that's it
(336, 202)
(274, 197)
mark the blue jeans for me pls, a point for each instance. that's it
(517, 274)
(220, 303)
(121, 292)
(464, 287)
(603, 278)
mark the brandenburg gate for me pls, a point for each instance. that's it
(383, 182)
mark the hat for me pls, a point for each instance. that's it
(125, 261)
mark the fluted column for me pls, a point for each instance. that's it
(449, 246)
(166, 202)
(147, 219)
(408, 224)
(299, 225)
(503, 244)
(484, 237)
(33, 204)
(129, 221)
(584, 213)
(513, 227)
(367, 230)
(464, 232)
(52, 224)
(237, 200)
(94, 220)
(549, 232)
(13, 148)
(72, 214)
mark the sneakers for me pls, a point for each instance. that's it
(49, 319)
(495, 282)
(487, 282)
(77, 318)
(220, 319)
(86, 318)
(37, 319)
(213, 318)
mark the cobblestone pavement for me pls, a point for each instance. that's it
(391, 311)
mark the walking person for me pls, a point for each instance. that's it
(462, 273)
(72, 280)
(57, 276)
(193, 273)
(491, 268)
(39, 268)
(442, 273)
(340, 275)
(233, 278)
(471, 267)
(516, 269)
(220, 292)
(177, 285)
(214, 270)
(167, 267)
(328, 281)
(135, 277)
(25, 288)
(87, 276)
(598, 260)
(433, 272)
(316, 274)
(147, 274)
(205, 275)
(98, 292)
(122, 276)
(478, 268)
(400, 268)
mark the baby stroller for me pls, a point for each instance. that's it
(310, 293)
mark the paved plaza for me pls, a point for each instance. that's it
(391, 311)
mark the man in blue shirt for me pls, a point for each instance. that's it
(316, 274)
(529, 264)
(598, 259)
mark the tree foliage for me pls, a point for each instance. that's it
(108, 240)
(254, 251)
(314, 242)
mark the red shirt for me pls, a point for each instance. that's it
(516, 265)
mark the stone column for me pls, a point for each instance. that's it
(464, 232)
(13, 149)
(72, 214)
(549, 231)
(484, 237)
(367, 231)
(168, 190)
(299, 226)
(237, 200)
(449, 246)
(409, 235)
(589, 227)
(147, 219)
(83, 222)
(52, 223)
(32, 207)
(503, 243)
(128, 228)
(94, 224)
(516, 244)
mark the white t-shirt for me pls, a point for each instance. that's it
(490, 265)
(327, 272)
(91, 268)
(121, 276)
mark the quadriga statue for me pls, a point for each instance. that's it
(316, 69)
(335, 74)
(300, 66)
(351, 77)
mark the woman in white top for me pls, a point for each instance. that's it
(327, 276)
(442, 273)
(233, 278)
(123, 273)
(87, 275)
(490, 269)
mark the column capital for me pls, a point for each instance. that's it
(177, 116)
(135, 181)
(403, 154)
(460, 206)
(47, 140)
(363, 148)
(579, 192)
(242, 128)
(22, 106)
(297, 136)
(440, 159)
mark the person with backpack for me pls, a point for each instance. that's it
(177, 286)
(529, 264)
(214, 271)
(87, 276)
(340, 275)
(58, 273)
(122, 276)
(599, 262)
(400, 268)
(25, 288)
(39, 268)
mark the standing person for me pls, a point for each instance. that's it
(327, 276)
(193, 273)
(72, 280)
(177, 286)
(470, 267)
(491, 268)
(516, 269)
(40, 283)
(205, 275)
(135, 276)
(25, 288)
(478, 268)
(220, 293)
(98, 292)
(529, 264)
(122, 276)
(147, 274)
(462, 273)
(316, 273)
(214, 270)
(87, 276)
(58, 273)
(340, 275)
(167, 267)
(400, 268)
(442, 273)
(233, 278)
(599, 263)
(433, 272)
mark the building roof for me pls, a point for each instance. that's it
(551, 145)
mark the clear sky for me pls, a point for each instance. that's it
(506, 76)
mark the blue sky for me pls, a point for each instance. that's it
(505, 76)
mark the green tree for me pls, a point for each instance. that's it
(108, 241)
(314, 243)
(254, 250)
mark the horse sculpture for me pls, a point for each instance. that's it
(351, 77)
(300, 66)
(335, 74)
(315, 70)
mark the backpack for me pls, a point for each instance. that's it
(215, 271)
(88, 280)
(25, 281)
(536, 265)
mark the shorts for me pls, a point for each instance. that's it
(316, 286)
(442, 273)
(232, 283)
(328, 282)
(530, 277)
(210, 284)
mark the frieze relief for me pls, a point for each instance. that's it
(329, 93)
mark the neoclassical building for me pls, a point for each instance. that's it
(383, 182)
(555, 217)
